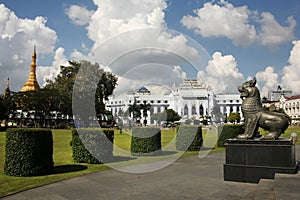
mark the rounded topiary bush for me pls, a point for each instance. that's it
(92, 145)
(28, 152)
(229, 131)
(189, 138)
(145, 140)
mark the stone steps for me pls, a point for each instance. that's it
(265, 190)
(283, 187)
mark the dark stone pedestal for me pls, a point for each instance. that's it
(250, 160)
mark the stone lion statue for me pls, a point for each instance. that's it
(255, 116)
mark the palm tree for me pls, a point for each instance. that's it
(145, 107)
(135, 110)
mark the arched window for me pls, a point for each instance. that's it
(201, 110)
(186, 110)
(194, 109)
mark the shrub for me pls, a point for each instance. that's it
(228, 132)
(92, 146)
(145, 140)
(189, 138)
(28, 152)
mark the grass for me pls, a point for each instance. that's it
(65, 167)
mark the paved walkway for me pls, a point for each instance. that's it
(187, 178)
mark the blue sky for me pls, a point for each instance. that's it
(243, 38)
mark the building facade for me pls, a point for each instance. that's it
(191, 100)
(292, 108)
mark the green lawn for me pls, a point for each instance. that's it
(64, 165)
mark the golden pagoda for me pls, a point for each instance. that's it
(31, 83)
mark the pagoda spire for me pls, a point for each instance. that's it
(31, 83)
(7, 89)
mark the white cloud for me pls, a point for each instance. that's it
(131, 38)
(50, 72)
(272, 33)
(17, 38)
(291, 73)
(223, 19)
(267, 80)
(117, 16)
(222, 73)
(79, 15)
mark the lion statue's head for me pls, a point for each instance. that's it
(248, 89)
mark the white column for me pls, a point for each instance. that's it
(227, 110)
(222, 109)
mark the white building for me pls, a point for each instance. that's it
(191, 100)
(292, 108)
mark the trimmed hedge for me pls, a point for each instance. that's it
(28, 152)
(189, 138)
(92, 145)
(228, 132)
(145, 140)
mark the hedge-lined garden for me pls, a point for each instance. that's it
(29, 151)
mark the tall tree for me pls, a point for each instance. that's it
(172, 116)
(93, 86)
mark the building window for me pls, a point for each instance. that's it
(158, 101)
(166, 101)
(231, 101)
(151, 101)
(186, 110)
(224, 101)
(201, 110)
(194, 109)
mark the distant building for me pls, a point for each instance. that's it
(292, 108)
(275, 95)
(191, 100)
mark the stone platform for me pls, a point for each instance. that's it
(251, 160)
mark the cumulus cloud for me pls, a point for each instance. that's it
(50, 72)
(272, 33)
(17, 38)
(291, 73)
(130, 37)
(222, 20)
(239, 24)
(222, 73)
(267, 80)
(79, 15)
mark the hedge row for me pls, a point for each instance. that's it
(28, 152)
(228, 132)
(189, 138)
(93, 146)
(145, 140)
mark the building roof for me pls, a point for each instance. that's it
(294, 97)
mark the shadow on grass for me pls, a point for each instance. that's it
(115, 159)
(156, 153)
(67, 168)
